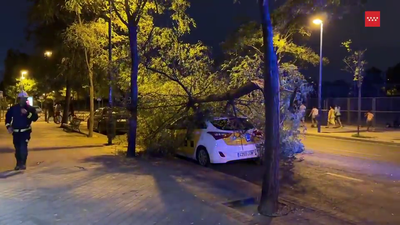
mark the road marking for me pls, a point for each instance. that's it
(345, 177)
(337, 150)
(361, 153)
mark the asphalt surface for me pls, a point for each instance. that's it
(359, 182)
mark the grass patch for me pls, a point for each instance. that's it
(360, 136)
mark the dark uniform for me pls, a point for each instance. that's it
(21, 127)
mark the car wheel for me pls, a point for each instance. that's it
(202, 157)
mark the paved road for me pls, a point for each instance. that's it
(360, 181)
(371, 151)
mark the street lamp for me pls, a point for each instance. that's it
(23, 74)
(319, 22)
(48, 54)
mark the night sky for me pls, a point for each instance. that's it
(217, 18)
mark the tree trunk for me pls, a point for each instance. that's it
(45, 109)
(67, 102)
(132, 27)
(359, 84)
(91, 94)
(110, 124)
(270, 187)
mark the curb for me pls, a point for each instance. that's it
(355, 139)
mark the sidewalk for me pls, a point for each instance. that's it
(90, 185)
(48, 143)
(379, 135)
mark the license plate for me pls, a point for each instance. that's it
(245, 154)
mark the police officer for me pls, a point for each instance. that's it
(18, 122)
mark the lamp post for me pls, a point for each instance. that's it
(110, 92)
(319, 22)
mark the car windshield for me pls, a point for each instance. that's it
(232, 124)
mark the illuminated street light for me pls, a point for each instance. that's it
(23, 74)
(319, 22)
(48, 53)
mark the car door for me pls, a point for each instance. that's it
(179, 134)
(193, 134)
(97, 117)
(103, 118)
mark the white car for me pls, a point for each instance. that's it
(220, 140)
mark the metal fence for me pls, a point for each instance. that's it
(385, 109)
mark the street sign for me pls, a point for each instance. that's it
(98, 99)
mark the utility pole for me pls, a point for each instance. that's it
(320, 76)
(110, 132)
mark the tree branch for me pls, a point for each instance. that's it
(167, 121)
(349, 67)
(118, 14)
(128, 12)
(139, 11)
(172, 79)
(230, 95)
(148, 39)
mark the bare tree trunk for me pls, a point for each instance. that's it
(359, 84)
(89, 65)
(91, 94)
(131, 152)
(270, 187)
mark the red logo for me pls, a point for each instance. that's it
(372, 18)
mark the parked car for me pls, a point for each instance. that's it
(220, 140)
(121, 116)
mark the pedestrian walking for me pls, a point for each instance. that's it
(18, 122)
(58, 114)
(50, 111)
(338, 116)
(303, 114)
(314, 116)
(331, 117)
(370, 117)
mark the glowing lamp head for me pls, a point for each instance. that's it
(317, 21)
(48, 53)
